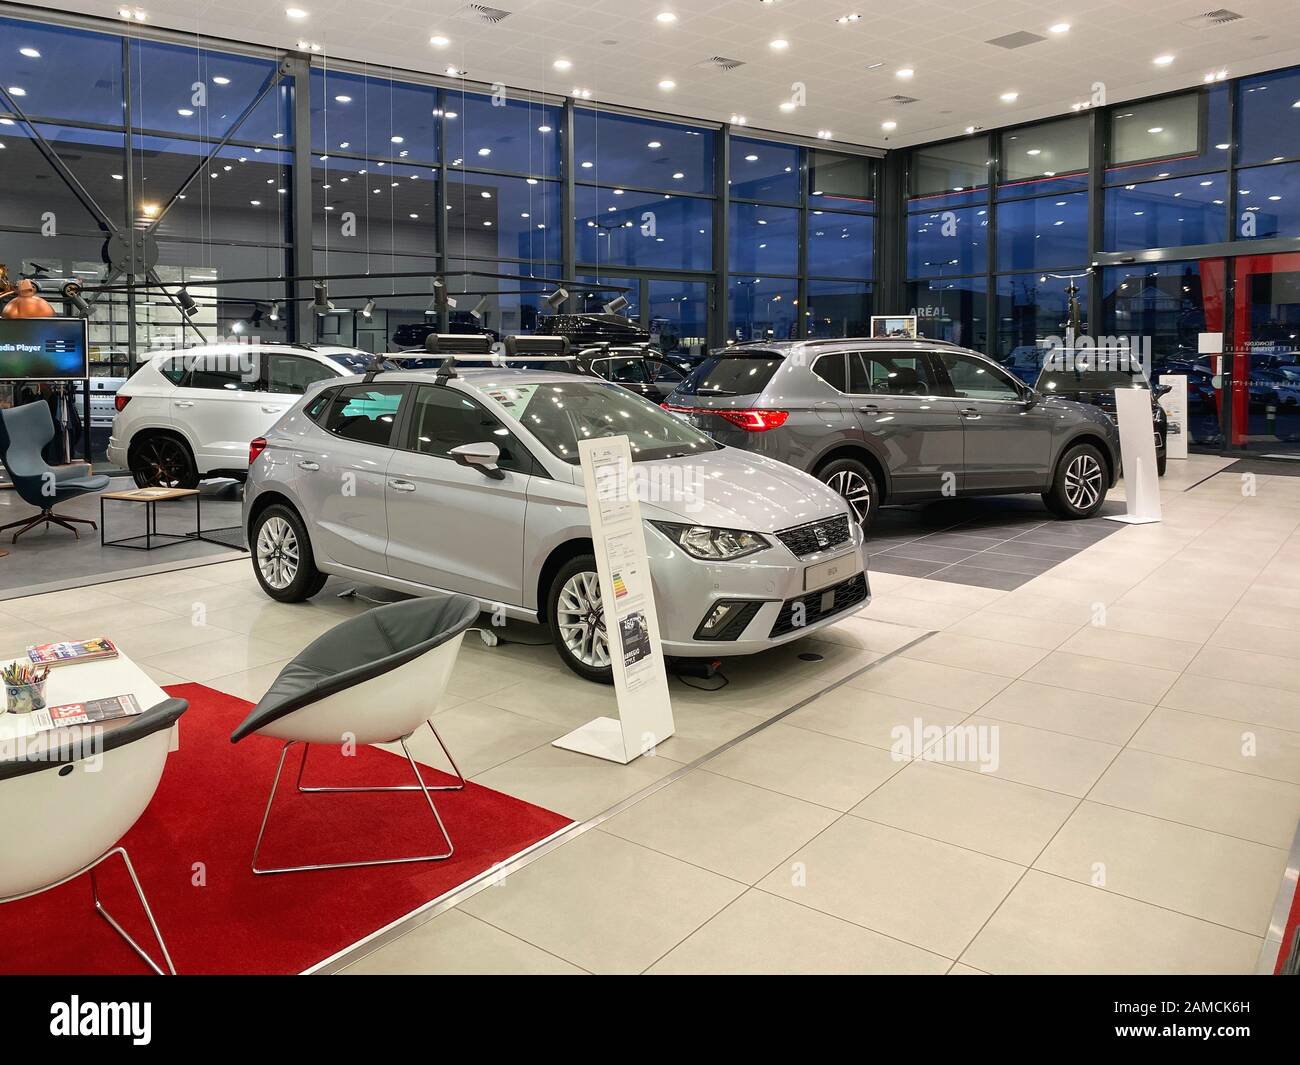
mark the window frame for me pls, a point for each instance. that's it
(525, 465)
(399, 422)
(989, 365)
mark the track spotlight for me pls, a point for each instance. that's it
(321, 304)
(275, 311)
(617, 305)
(368, 309)
(478, 308)
(72, 293)
(188, 306)
(558, 298)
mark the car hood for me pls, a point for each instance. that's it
(733, 489)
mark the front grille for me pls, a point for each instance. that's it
(816, 535)
(847, 593)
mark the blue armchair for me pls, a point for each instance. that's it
(24, 432)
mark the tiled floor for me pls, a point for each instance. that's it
(1098, 771)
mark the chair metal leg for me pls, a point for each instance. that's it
(144, 903)
(398, 787)
(47, 517)
(415, 769)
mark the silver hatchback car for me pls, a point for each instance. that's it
(469, 482)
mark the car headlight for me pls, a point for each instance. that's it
(712, 545)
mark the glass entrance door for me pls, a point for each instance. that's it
(1266, 353)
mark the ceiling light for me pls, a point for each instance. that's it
(397, 140)
(824, 134)
(139, 15)
(256, 203)
(1034, 151)
(667, 84)
(1010, 97)
(543, 129)
(485, 151)
(562, 64)
(184, 112)
(678, 176)
(665, 17)
(653, 145)
(906, 72)
(737, 120)
(219, 80)
(1060, 27)
(439, 41)
(787, 106)
(1163, 60)
(971, 129)
(14, 90)
(779, 45)
(343, 99)
(30, 53)
(452, 72)
(751, 159)
(844, 20)
(368, 309)
(295, 12)
(1156, 129)
(889, 125)
(587, 164)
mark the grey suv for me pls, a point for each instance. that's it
(902, 421)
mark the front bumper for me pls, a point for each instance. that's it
(687, 590)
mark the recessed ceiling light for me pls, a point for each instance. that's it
(439, 41)
(543, 129)
(678, 176)
(667, 84)
(1156, 129)
(485, 151)
(14, 90)
(737, 120)
(587, 164)
(184, 112)
(665, 17)
(30, 53)
(824, 134)
(779, 45)
(295, 12)
(889, 125)
(1060, 27)
(787, 105)
(343, 99)
(452, 72)
(905, 72)
(844, 20)
(970, 129)
(1010, 97)
(1163, 60)
(562, 64)
(398, 140)
(654, 144)
(139, 15)
(1034, 151)
(220, 80)
(751, 159)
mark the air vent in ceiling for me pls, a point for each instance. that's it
(1016, 40)
(719, 62)
(482, 14)
(1209, 19)
(898, 101)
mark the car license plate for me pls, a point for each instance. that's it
(831, 571)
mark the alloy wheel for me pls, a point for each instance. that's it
(277, 553)
(580, 617)
(1083, 482)
(855, 490)
(163, 462)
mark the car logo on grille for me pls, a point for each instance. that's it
(823, 537)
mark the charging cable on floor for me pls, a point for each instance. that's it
(491, 638)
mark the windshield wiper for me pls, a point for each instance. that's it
(715, 392)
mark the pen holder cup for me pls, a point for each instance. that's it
(24, 698)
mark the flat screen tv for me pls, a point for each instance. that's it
(43, 349)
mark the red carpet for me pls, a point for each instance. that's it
(192, 847)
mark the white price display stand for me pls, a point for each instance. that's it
(1137, 444)
(645, 713)
(1174, 403)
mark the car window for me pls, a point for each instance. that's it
(976, 379)
(884, 373)
(364, 413)
(443, 418)
(664, 372)
(624, 371)
(226, 372)
(732, 373)
(830, 368)
(174, 370)
(291, 374)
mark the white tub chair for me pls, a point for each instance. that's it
(375, 678)
(68, 796)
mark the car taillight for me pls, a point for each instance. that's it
(754, 421)
(120, 401)
(255, 448)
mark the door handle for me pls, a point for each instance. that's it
(310, 467)
(270, 410)
(402, 486)
(869, 408)
(185, 403)
(970, 413)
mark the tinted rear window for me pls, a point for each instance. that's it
(739, 373)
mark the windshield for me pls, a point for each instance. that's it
(560, 415)
(352, 361)
(1063, 381)
(733, 373)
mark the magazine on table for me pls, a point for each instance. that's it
(90, 712)
(62, 654)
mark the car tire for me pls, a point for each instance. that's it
(571, 603)
(1079, 485)
(161, 460)
(851, 480)
(282, 559)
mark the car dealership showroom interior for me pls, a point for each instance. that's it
(650, 487)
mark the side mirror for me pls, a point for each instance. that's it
(1162, 390)
(483, 455)
(1029, 396)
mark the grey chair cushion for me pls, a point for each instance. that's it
(156, 718)
(359, 649)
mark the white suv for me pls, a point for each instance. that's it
(189, 414)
